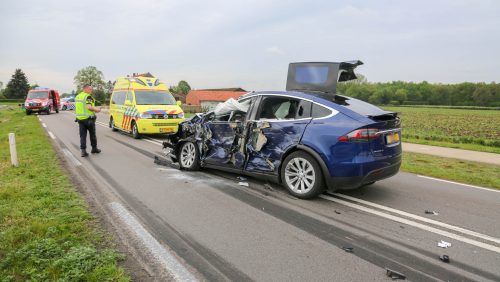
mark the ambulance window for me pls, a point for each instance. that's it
(129, 96)
(119, 98)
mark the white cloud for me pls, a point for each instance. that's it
(275, 50)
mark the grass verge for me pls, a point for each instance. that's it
(46, 230)
(475, 173)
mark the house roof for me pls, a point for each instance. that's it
(195, 97)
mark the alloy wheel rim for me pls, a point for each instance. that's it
(299, 175)
(188, 154)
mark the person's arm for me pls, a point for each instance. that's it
(94, 109)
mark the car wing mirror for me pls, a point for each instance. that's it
(179, 103)
(128, 103)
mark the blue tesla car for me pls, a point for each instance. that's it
(308, 138)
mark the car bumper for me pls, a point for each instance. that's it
(372, 172)
(37, 109)
(158, 126)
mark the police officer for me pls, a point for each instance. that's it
(85, 110)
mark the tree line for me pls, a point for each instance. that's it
(423, 93)
(387, 93)
(18, 86)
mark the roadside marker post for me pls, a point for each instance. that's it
(13, 152)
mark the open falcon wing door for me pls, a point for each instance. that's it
(319, 77)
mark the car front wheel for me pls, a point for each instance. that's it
(112, 125)
(189, 157)
(302, 176)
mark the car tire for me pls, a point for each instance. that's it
(135, 131)
(189, 156)
(47, 112)
(112, 124)
(63, 108)
(57, 110)
(301, 175)
(28, 112)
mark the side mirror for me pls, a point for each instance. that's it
(128, 103)
(179, 103)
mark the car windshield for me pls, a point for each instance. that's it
(38, 95)
(147, 97)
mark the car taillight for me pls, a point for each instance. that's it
(360, 135)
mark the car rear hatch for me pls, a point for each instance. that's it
(382, 129)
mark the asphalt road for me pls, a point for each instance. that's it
(207, 227)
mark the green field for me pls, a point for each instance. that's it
(482, 174)
(477, 130)
(46, 230)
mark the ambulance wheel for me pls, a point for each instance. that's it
(135, 131)
(189, 156)
(112, 124)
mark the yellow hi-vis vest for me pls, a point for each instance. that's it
(81, 111)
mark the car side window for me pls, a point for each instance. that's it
(304, 110)
(320, 111)
(276, 107)
(118, 98)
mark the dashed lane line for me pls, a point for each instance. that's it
(71, 157)
(162, 256)
(51, 135)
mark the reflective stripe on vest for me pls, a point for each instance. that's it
(81, 110)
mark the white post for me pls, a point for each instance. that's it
(13, 152)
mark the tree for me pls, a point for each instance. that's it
(91, 76)
(183, 87)
(18, 86)
(108, 89)
(33, 86)
(400, 95)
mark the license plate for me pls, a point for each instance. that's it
(166, 130)
(392, 138)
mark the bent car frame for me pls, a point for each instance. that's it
(307, 138)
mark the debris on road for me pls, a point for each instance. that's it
(268, 187)
(241, 178)
(445, 258)
(337, 212)
(431, 212)
(243, 184)
(394, 274)
(444, 244)
(348, 249)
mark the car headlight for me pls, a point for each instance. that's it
(181, 115)
(26, 104)
(146, 116)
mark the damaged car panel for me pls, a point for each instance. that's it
(307, 138)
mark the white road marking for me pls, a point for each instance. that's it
(415, 224)
(421, 218)
(71, 157)
(458, 183)
(51, 135)
(171, 264)
(44, 125)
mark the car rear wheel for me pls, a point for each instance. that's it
(189, 156)
(28, 112)
(112, 124)
(47, 111)
(135, 131)
(302, 176)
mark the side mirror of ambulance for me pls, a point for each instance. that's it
(128, 103)
(179, 103)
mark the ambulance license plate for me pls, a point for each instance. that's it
(166, 130)
(392, 138)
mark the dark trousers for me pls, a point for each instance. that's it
(87, 124)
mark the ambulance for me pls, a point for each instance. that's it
(141, 104)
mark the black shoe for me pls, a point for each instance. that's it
(84, 153)
(95, 151)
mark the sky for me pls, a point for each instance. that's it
(248, 44)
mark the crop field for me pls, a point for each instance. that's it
(477, 130)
